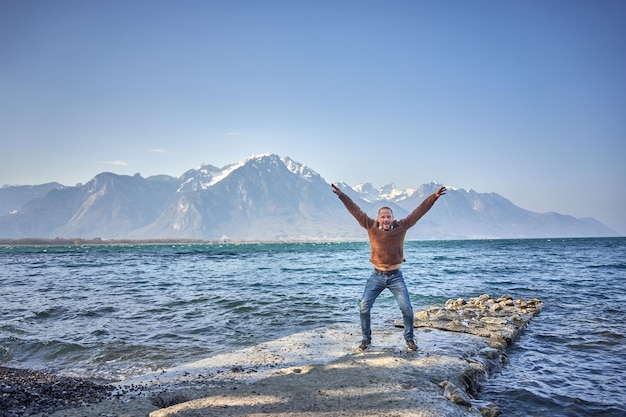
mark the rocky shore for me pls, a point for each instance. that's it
(24, 392)
(315, 373)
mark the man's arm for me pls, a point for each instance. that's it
(360, 216)
(422, 209)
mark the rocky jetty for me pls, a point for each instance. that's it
(322, 373)
(498, 322)
(501, 320)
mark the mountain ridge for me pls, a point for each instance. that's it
(263, 198)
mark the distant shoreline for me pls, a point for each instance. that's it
(30, 241)
(97, 241)
(172, 241)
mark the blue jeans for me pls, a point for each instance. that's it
(376, 283)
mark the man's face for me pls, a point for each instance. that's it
(385, 218)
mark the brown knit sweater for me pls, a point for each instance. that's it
(387, 247)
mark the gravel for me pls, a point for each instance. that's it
(25, 392)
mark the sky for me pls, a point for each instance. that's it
(526, 99)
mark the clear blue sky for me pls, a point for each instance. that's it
(523, 98)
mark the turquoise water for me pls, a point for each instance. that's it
(113, 312)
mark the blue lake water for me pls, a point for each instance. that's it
(113, 312)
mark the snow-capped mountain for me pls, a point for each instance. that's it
(202, 178)
(263, 198)
(208, 175)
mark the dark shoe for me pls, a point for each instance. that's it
(410, 344)
(364, 344)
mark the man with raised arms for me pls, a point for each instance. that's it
(386, 237)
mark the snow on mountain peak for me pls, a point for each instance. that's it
(225, 172)
(298, 168)
(293, 166)
(387, 192)
(258, 157)
(207, 176)
(395, 194)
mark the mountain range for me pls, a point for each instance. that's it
(264, 198)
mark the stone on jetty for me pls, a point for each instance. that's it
(501, 320)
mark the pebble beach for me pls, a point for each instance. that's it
(25, 392)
